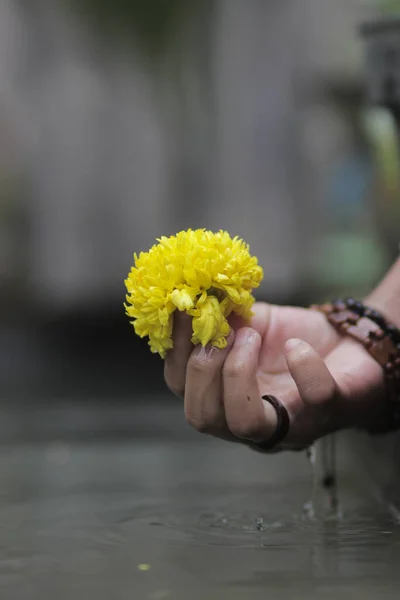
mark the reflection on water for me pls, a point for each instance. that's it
(197, 519)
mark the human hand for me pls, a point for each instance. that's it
(326, 382)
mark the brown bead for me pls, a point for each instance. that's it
(389, 367)
(361, 331)
(378, 334)
(339, 306)
(397, 362)
(341, 317)
(326, 308)
(381, 351)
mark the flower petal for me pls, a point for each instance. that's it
(182, 299)
(208, 275)
(210, 324)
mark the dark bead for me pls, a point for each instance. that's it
(377, 334)
(360, 308)
(394, 333)
(375, 316)
(389, 367)
(350, 302)
(355, 305)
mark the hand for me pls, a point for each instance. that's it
(326, 382)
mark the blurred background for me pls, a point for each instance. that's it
(125, 120)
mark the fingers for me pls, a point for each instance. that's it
(259, 321)
(314, 381)
(222, 396)
(176, 359)
(204, 409)
(248, 417)
(220, 387)
(262, 316)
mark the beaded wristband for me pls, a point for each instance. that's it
(380, 338)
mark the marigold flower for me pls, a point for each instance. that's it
(207, 275)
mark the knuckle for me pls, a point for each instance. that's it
(175, 385)
(323, 391)
(203, 424)
(346, 388)
(234, 370)
(245, 428)
(199, 366)
(178, 391)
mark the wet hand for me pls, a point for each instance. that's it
(326, 382)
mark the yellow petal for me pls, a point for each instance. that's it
(207, 275)
(163, 316)
(226, 306)
(210, 324)
(233, 294)
(141, 327)
(182, 299)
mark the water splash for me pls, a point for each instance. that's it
(321, 458)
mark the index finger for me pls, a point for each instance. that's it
(176, 359)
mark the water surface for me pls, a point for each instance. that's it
(185, 519)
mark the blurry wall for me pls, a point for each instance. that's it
(103, 153)
(120, 122)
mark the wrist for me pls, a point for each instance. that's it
(381, 339)
(386, 296)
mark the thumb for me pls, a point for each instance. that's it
(315, 383)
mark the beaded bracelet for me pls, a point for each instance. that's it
(380, 338)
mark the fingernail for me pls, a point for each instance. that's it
(292, 343)
(247, 337)
(204, 352)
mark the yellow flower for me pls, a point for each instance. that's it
(207, 275)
